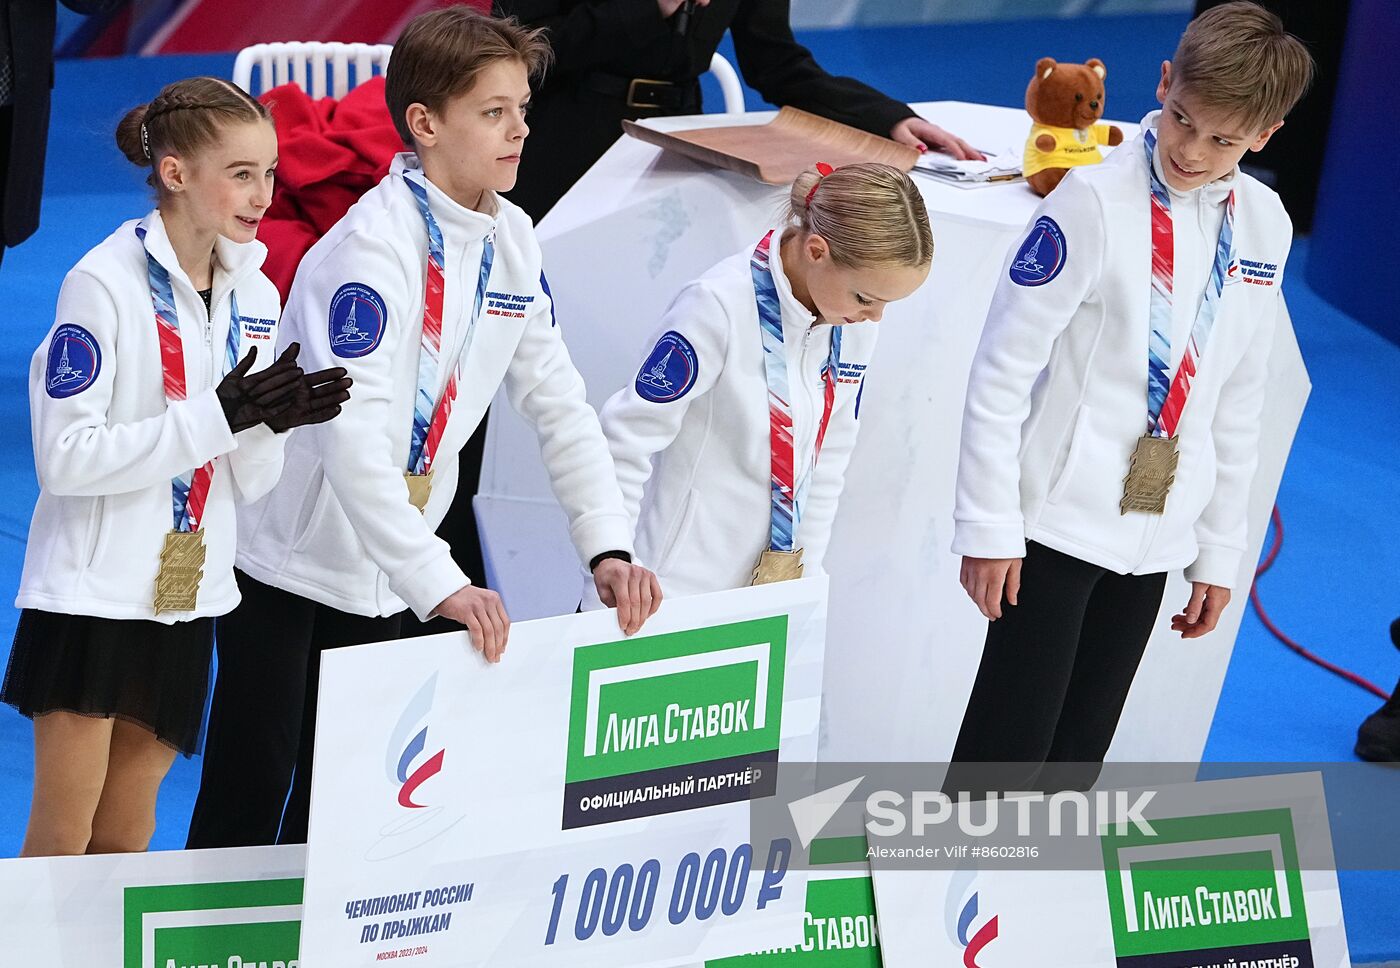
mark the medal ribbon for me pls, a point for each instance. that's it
(787, 500)
(189, 492)
(1166, 397)
(430, 421)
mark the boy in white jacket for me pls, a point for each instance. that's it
(149, 421)
(1114, 405)
(431, 293)
(732, 442)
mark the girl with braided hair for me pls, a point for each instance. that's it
(156, 404)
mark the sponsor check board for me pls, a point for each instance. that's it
(236, 908)
(1235, 872)
(583, 802)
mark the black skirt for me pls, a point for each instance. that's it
(147, 673)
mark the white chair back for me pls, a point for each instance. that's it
(728, 84)
(319, 69)
(322, 69)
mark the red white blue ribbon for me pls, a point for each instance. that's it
(787, 500)
(429, 419)
(1166, 396)
(189, 492)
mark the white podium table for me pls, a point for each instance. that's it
(904, 641)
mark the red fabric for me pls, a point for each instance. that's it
(329, 154)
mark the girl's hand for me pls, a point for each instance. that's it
(249, 399)
(986, 579)
(318, 398)
(1203, 611)
(482, 612)
(631, 589)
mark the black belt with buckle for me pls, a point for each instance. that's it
(641, 93)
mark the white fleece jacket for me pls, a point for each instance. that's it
(339, 528)
(1058, 392)
(107, 443)
(691, 439)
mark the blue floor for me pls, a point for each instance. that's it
(1334, 587)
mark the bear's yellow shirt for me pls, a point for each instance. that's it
(1072, 147)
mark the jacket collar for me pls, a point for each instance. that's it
(797, 319)
(233, 261)
(462, 223)
(1211, 193)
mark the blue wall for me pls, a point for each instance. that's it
(1358, 199)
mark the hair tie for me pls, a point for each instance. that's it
(145, 141)
(823, 169)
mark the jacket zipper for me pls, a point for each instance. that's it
(209, 342)
(467, 275)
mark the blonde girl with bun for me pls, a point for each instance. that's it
(732, 441)
(155, 405)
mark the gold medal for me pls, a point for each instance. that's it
(181, 569)
(1150, 475)
(420, 488)
(778, 566)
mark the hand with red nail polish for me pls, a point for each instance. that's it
(922, 135)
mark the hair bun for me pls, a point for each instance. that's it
(129, 136)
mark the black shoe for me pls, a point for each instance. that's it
(1378, 739)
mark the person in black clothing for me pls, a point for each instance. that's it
(26, 78)
(616, 59)
(1378, 739)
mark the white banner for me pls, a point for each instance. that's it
(1235, 873)
(583, 802)
(236, 908)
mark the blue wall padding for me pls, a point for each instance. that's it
(1358, 211)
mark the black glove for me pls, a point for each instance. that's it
(315, 399)
(249, 399)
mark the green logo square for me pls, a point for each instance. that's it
(657, 719)
(253, 922)
(1207, 883)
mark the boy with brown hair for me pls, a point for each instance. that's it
(1147, 286)
(430, 293)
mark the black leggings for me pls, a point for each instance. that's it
(262, 725)
(1055, 672)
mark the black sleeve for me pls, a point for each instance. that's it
(591, 33)
(783, 71)
(599, 559)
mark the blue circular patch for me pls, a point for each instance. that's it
(74, 361)
(670, 370)
(1041, 257)
(357, 320)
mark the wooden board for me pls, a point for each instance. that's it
(779, 151)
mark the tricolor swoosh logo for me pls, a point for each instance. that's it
(404, 752)
(411, 782)
(985, 935)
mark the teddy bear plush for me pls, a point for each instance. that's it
(1065, 101)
